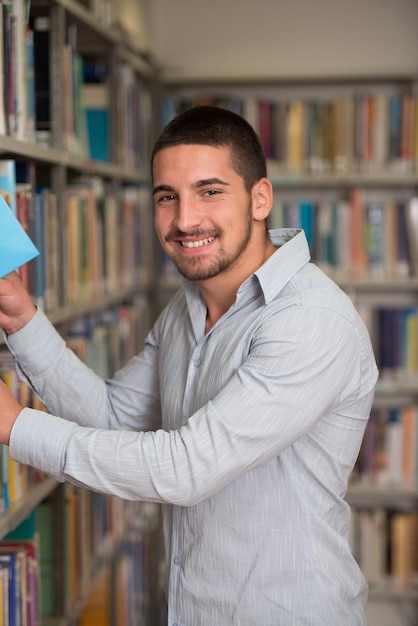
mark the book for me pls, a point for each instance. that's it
(23, 200)
(4, 593)
(411, 215)
(3, 122)
(95, 102)
(52, 251)
(8, 182)
(16, 60)
(404, 552)
(30, 578)
(375, 239)
(45, 528)
(41, 60)
(30, 86)
(17, 248)
(14, 559)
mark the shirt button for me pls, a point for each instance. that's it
(177, 560)
(197, 363)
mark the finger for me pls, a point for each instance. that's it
(12, 277)
(8, 281)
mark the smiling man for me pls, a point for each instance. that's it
(208, 222)
(244, 413)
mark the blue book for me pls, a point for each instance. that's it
(5, 475)
(8, 182)
(307, 221)
(10, 560)
(98, 134)
(95, 102)
(16, 248)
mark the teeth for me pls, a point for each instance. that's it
(197, 244)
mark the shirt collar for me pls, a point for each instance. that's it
(291, 255)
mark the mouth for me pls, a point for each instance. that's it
(197, 243)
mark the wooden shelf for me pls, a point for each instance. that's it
(382, 180)
(51, 156)
(21, 509)
(211, 82)
(372, 496)
(393, 591)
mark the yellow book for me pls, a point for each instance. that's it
(296, 136)
(97, 609)
(404, 530)
(415, 138)
(10, 379)
(412, 345)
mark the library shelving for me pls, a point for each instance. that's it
(342, 155)
(76, 124)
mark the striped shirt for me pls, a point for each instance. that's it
(247, 435)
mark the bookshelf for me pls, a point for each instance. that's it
(342, 156)
(76, 124)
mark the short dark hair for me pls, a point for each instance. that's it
(217, 127)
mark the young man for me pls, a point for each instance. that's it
(245, 411)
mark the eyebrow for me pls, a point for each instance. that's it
(159, 188)
(204, 182)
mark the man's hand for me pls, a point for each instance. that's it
(16, 306)
(9, 410)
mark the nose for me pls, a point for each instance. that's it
(188, 216)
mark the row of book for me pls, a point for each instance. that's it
(125, 588)
(16, 479)
(366, 235)
(394, 332)
(93, 241)
(48, 563)
(385, 545)
(50, 560)
(93, 115)
(77, 529)
(106, 340)
(365, 131)
(106, 240)
(20, 582)
(133, 119)
(17, 80)
(389, 452)
(26, 109)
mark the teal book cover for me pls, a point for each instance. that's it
(16, 248)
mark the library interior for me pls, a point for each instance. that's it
(331, 90)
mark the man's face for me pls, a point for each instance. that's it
(203, 213)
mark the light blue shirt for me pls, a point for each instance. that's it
(262, 420)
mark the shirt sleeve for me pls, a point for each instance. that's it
(320, 368)
(69, 388)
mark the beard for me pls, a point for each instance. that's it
(201, 268)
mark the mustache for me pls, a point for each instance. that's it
(175, 234)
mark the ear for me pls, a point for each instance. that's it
(262, 199)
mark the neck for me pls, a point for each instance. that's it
(219, 293)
